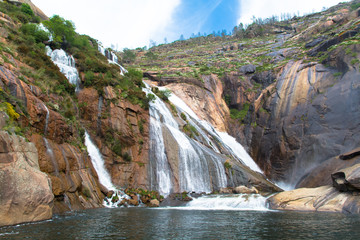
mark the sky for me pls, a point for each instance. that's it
(133, 23)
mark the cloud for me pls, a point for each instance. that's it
(123, 23)
(267, 8)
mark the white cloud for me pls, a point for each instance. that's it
(126, 23)
(268, 8)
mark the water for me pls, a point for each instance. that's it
(98, 163)
(50, 152)
(193, 168)
(104, 176)
(229, 142)
(46, 119)
(112, 58)
(145, 223)
(66, 64)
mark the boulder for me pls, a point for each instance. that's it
(25, 191)
(321, 199)
(248, 69)
(154, 203)
(226, 190)
(245, 190)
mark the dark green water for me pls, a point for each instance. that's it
(144, 223)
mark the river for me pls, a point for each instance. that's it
(170, 223)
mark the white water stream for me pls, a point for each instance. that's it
(66, 64)
(112, 58)
(228, 202)
(104, 177)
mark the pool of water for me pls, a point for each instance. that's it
(169, 223)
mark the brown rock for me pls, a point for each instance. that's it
(226, 190)
(246, 190)
(25, 192)
(321, 199)
(154, 203)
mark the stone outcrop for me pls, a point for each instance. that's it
(25, 194)
(110, 122)
(321, 199)
(206, 102)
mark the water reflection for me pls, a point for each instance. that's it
(144, 223)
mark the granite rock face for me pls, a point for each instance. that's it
(321, 199)
(25, 194)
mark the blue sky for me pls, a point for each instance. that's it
(206, 16)
(132, 23)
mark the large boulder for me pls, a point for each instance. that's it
(321, 199)
(25, 191)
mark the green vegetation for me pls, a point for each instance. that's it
(240, 115)
(227, 164)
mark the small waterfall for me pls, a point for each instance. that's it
(46, 119)
(228, 202)
(50, 152)
(66, 64)
(194, 159)
(112, 58)
(100, 104)
(98, 163)
(104, 177)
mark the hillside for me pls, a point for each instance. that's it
(273, 86)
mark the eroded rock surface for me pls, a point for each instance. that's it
(25, 194)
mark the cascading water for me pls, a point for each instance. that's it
(50, 152)
(230, 143)
(46, 119)
(104, 177)
(254, 202)
(112, 58)
(194, 159)
(66, 64)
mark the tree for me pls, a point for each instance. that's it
(129, 56)
(152, 43)
(62, 31)
(25, 8)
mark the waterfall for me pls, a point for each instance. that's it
(195, 161)
(98, 163)
(104, 177)
(46, 119)
(66, 64)
(229, 142)
(228, 202)
(50, 152)
(112, 58)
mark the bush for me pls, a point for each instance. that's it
(25, 8)
(127, 157)
(63, 31)
(33, 30)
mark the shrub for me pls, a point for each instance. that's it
(25, 8)
(127, 157)
(183, 116)
(227, 164)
